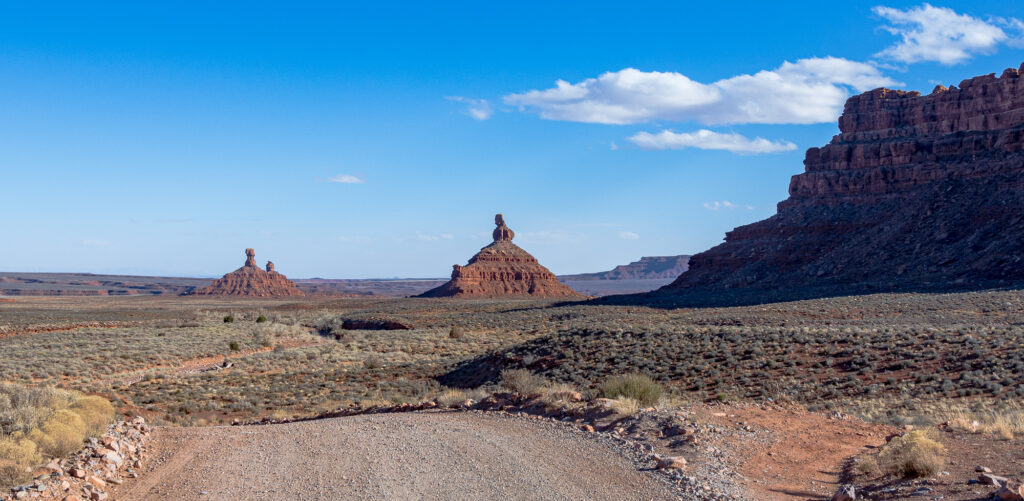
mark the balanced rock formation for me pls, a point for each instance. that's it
(503, 270)
(915, 193)
(647, 268)
(250, 280)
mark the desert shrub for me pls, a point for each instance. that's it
(260, 319)
(455, 332)
(638, 387)
(41, 423)
(915, 454)
(625, 406)
(233, 346)
(373, 362)
(450, 397)
(17, 455)
(229, 318)
(560, 394)
(522, 381)
(866, 466)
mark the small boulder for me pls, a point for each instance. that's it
(990, 479)
(982, 469)
(1010, 491)
(671, 462)
(845, 493)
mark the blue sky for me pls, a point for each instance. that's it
(166, 140)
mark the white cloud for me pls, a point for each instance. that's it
(479, 109)
(709, 140)
(725, 204)
(807, 91)
(346, 178)
(940, 34)
(628, 235)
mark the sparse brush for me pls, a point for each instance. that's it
(229, 318)
(915, 454)
(560, 394)
(625, 406)
(866, 466)
(260, 319)
(373, 362)
(455, 332)
(450, 397)
(638, 387)
(522, 381)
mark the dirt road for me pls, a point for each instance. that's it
(390, 456)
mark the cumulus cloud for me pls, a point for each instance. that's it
(727, 205)
(479, 109)
(628, 235)
(806, 91)
(929, 33)
(346, 179)
(709, 140)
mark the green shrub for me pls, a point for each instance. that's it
(233, 345)
(228, 319)
(639, 387)
(260, 319)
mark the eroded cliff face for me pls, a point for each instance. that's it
(916, 192)
(250, 280)
(503, 270)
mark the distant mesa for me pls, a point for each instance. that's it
(251, 281)
(503, 270)
(647, 268)
(915, 193)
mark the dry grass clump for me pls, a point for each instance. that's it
(522, 381)
(450, 397)
(625, 406)
(638, 387)
(41, 423)
(915, 454)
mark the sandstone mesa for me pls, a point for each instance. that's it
(917, 192)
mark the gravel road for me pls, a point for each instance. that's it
(439, 455)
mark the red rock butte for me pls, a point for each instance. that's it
(503, 270)
(251, 281)
(917, 192)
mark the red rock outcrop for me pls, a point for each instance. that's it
(915, 193)
(250, 280)
(503, 270)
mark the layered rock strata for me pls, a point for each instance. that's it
(917, 192)
(250, 280)
(503, 270)
(647, 268)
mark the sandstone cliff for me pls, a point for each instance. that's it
(915, 193)
(647, 268)
(250, 280)
(503, 270)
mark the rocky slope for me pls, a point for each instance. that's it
(917, 192)
(250, 280)
(647, 268)
(503, 270)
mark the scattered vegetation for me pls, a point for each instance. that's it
(638, 387)
(229, 318)
(260, 319)
(915, 454)
(522, 381)
(38, 423)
